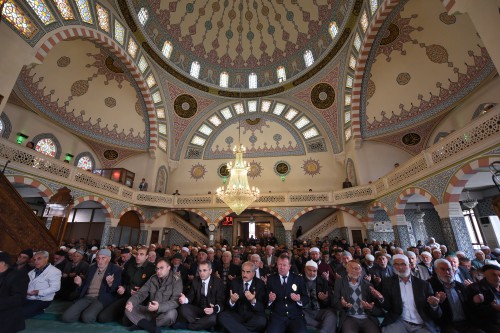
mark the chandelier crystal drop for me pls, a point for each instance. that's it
(237, 194)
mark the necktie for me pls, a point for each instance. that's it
(246, 286)
(284, 280)
(203, 284)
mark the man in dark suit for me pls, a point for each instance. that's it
(485, 295)
(180, 270)
(203, 302)
(453, 300)
(287, 297)
(409, 301)
(269, 259)
(13, 287)
(77, 266)
(247, 303)
(459, 275)
(98, 290)
(261, 272)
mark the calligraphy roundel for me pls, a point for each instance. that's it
(185, 106)
(322, 95)
(411, 139)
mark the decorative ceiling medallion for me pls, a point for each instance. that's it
(79, 88)
(111, 65)
(403, 78)
(411, 139)
(447, 19)
(311, 167)
(110, 154)
(222, 171)
(322, 95)
(185, 106)
(63, 61)
(252, 121)
(255, 170)
(198, 171)
(110, 102)
(282, 168)
(390, 35)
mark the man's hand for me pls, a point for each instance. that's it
(376, 279)
(250, 297)
(441, 295)
(367, 306)
(478, 299)
(344, 303)
(467, 282)
(182, 299)
(323, 295)
(153, 306)
(129, 307)
(367, 277)
(376, 294)
(209, 310)
(77, 280)
(109, 279)
(433, 300)
(295, 297)
(234, 297)
(120, 290)
(272, 297)
(326, 275)
(32, 293)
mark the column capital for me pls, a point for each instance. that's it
(288, 226)
(114, 222)
(449, 209)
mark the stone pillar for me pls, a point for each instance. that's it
(403, 232)
(484, 16)
(143, 238)
(288, 238)
(455, 229)
(419, 226)
(369, 231)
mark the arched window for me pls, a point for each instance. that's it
(224, 80)
(195, 69)
(281, 73)
(5, 126)
(308, 58)
(167, 49)
(334, 30)
(252, 81)
(47, 144)
(143, 15)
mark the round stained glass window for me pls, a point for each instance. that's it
(85, 163)
(46, 147)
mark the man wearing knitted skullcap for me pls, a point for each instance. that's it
(23, 262)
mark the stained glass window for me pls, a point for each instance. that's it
(46, 147)
(310, 133)
(162, 128)
(41, 9)
(156, 97)
(347, 99)
(16, 17)
(303, 121)
(373, 6)
(150, 80)
(348, 133)
(252, 81)
(252, 106)
(215, 120)
(352, 62)
(199, 141)
(83, 8)
(102, 17)
(308, 58)
(167, 49)
(278, 109)
(132, 47)
(85, 163)
(334, 29)
(347, 117)
(160, 113)
(224, 80)
(239, 108)
(65, 9)
(195, 69)
(265, 106)
(143, 64)
(348, 81)
(143, 15)
(162, 144)
(119, 32)
(205, 130)
(364, 21)
(226, 113)
(281, 74)
(1, 127)
(291, 114)
(357, 42)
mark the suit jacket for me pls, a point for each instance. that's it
(342, 289)
(322, 286)
(242, 305)
(462, 292)
(464, 273)
(484, 312)
(283, 305)
(272, 266)
(263, 271)
(13, 286)
(393, 302)
(215, 293)
(107, 294)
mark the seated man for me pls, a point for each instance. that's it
(287, 297)
(318, 312)
(453, 300)
(247, 303)
(13, 286)
(163, 290)
(353, 298)
(97, 291)
(485, 296)
(23, 262)
(45, 282)
(78, 266)
(409, 301)
(203, 302)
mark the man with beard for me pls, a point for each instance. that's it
(354, 299)
(76, 267)
(318, 312)
(459, 275)
(324, 269)
(453, 300)
(426, 262)
(409, 301)
(485, 296)
(163, 290)
(23, 262)
(417, 270)
(381, 270)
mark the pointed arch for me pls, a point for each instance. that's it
(373, 207)
(136, 209)
(194, 210)
(107, 207)
(264, 209)
(339, 207)
(399, 207)
(45, 192)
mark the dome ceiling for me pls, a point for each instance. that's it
(242, 37)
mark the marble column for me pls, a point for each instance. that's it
(455, 229)
(107, 234)
(143, 238)
(288, 239)
(403, 232)
(419, 226)
(370, 231)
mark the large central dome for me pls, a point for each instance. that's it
(242, 37)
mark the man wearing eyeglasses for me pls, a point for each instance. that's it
(205, 299)
(163, 290)
(247, 303)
